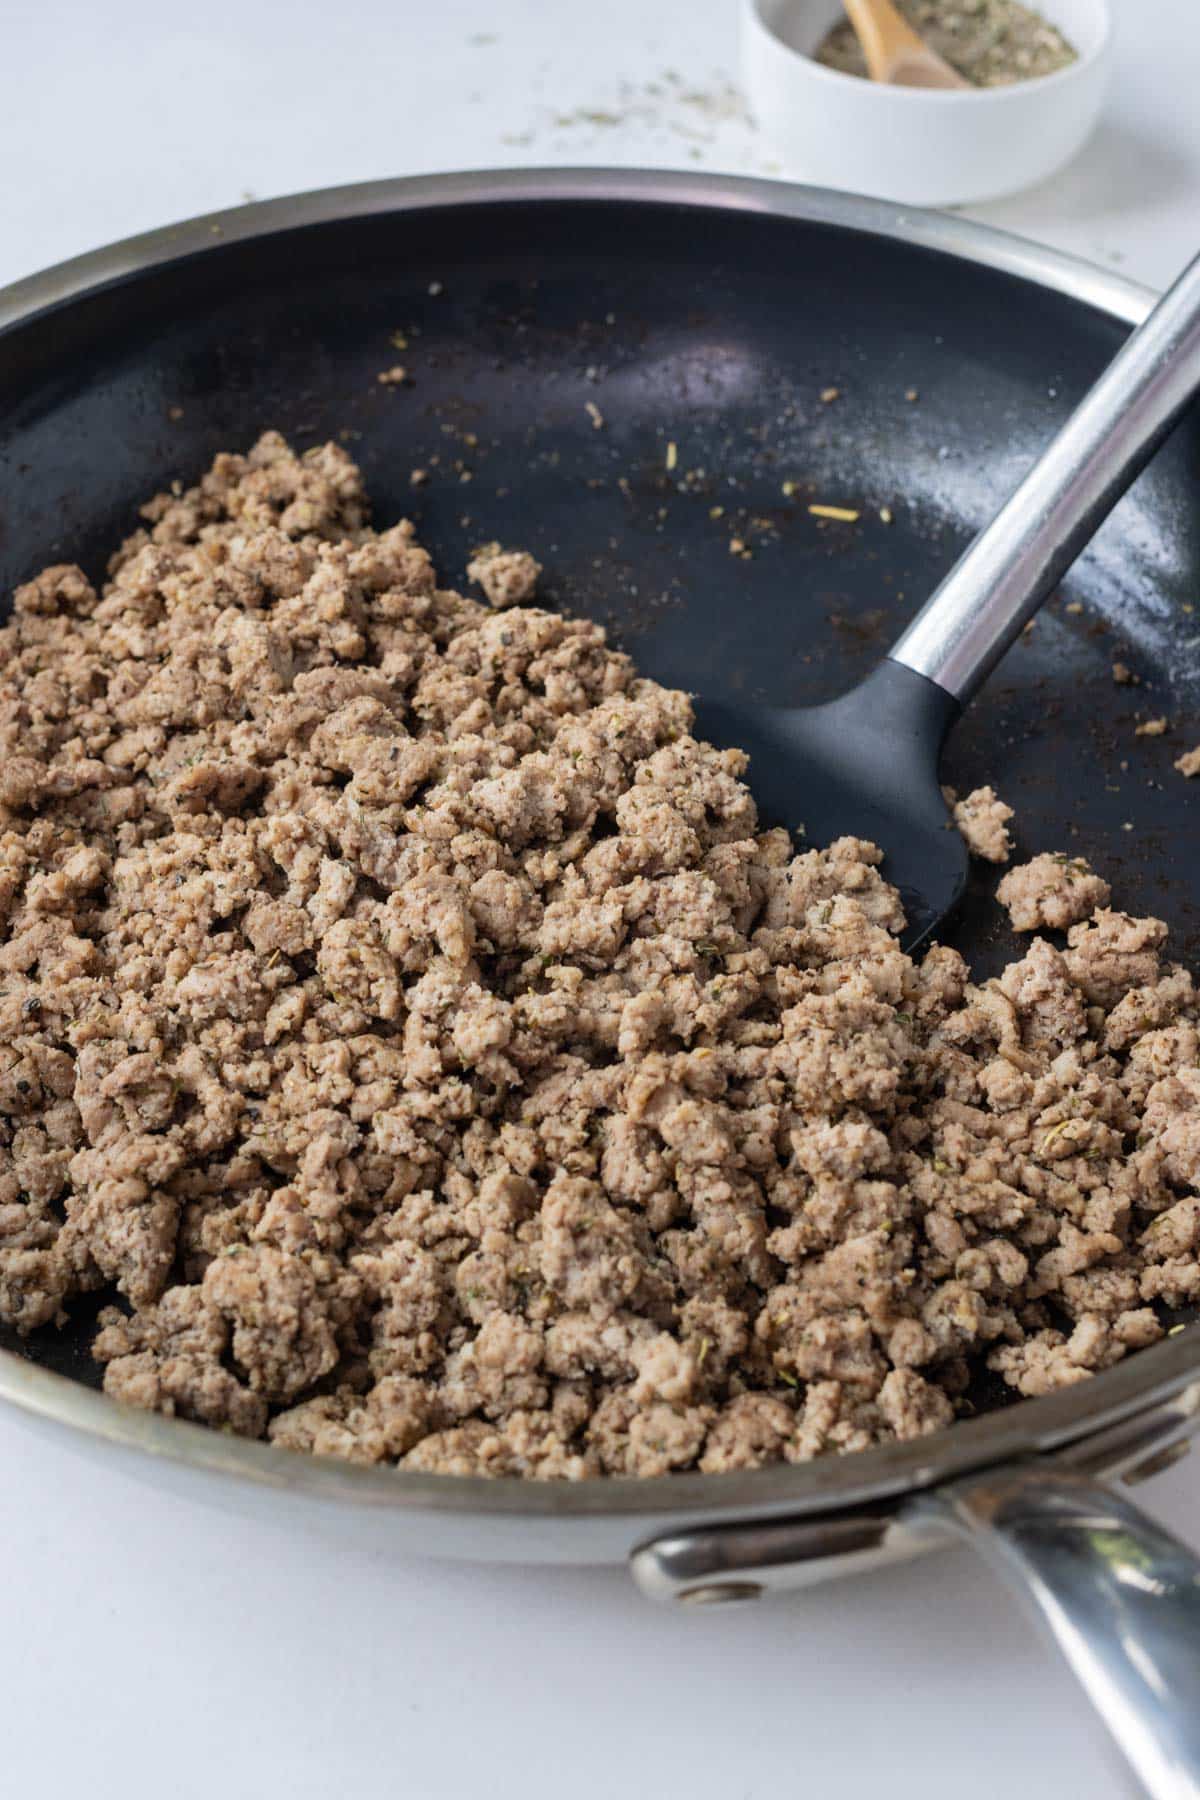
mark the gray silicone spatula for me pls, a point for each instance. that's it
(866, 764)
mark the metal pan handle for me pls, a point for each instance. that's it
(1000, 581)
(1120, 1595)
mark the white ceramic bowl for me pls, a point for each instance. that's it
(921, 147)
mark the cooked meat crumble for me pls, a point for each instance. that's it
(982, 819)
(1052, 893)
(507, 577)
(404, 1016)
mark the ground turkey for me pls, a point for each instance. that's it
(406, 1024)
(982, 818)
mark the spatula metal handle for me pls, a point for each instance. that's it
(1000, 581)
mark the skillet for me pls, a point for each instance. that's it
(565, 329)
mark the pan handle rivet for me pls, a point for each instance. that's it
(721, 1593)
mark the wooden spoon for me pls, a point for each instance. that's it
(895, 53)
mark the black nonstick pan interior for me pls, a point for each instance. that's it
(630, 389)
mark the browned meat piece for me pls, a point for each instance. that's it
(982, 818)
(1051, 893)
(507, 577)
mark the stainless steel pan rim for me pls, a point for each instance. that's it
(1054, 269)
(1054, 1423)
(1057, 1423)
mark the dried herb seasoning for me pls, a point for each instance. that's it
(992, 43)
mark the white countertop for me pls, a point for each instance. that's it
(160, 1651)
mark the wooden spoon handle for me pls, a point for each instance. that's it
(894, 52)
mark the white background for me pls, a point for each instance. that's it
(153, 1649)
